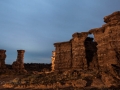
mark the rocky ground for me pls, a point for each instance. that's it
(68, 80)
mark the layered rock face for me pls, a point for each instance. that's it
(2, 59)
(18, 65)
(81, 52)
(63, 56)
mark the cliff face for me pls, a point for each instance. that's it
(82, 52)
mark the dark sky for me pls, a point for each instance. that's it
(34, 25)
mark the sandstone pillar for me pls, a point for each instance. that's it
(63, 56)
(78, 51)
(20, 56)
(101, 47)
(2, 59)
(18, 65)
(53, 60)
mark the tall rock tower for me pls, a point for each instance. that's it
(53, 60)
(18, 65)
(2, 59)
(20, 57)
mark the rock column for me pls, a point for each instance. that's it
(79, 60)
(18, 65)
(2, 59)
(53, 60)
(63, 56)
(20, 57)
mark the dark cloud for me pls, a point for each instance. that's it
(35, 25)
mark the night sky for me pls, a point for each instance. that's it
(34, 25)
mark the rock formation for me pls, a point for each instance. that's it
(2, 59)
(82, 52)
(76, 53)
(63, 56)
(53, 60)
(107, 38)
(18, 65)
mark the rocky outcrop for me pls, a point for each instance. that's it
(2, 59)
(101, 54)
(107, 38)
(78, 53)
(84, 53)
(18, 65)
(74, 53)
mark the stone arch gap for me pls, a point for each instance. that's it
(91, 35)
(90, 49)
